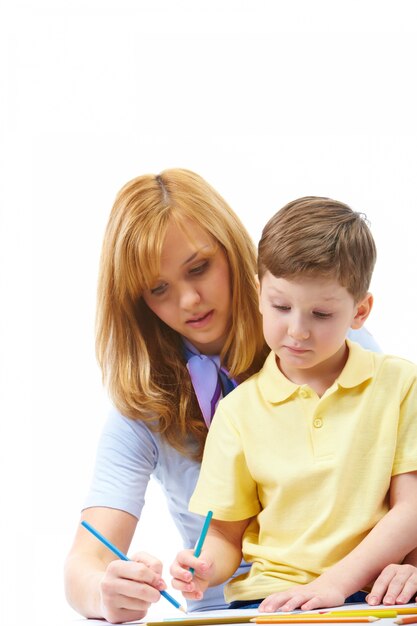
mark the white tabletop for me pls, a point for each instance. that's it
(156, 614)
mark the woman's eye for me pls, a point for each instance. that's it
(200, 268)
(159, 290)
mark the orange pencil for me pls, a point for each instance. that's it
(299, 619)
(406, 620)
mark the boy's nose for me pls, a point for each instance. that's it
(298, 331)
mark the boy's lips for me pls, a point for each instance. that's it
(200, 320)
(295, 350)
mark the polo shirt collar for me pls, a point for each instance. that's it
(359, 367)
(275, 387)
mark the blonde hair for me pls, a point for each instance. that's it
(319, 236)
(141, 357)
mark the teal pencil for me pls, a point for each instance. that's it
(199, 544)
(122, 556)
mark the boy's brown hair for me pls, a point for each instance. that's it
(317, 236)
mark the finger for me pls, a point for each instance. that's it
(180, 573)
(380, 586)
(200, 568)
(196, 595)
(267, 603)
(408, 591)
(195, 585)
(313, 603)
(185, 558)
(129, 594)
(148, 560)
(133, 571)
(295, 602)
(395, 588)
(132, 603)
(198, 565)
(274, 602)
(183, 561)
(119, 607)
(192, 590)
(184, 587)
(117, 615)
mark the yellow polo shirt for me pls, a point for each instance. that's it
(315, 472)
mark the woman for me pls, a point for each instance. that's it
(177, 328)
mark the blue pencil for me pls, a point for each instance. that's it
(122, 556)
(199, 544)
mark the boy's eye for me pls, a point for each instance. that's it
(321, 315)
(159, 289)
(200, 268)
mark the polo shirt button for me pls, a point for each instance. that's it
(304, 393)
(318, 422)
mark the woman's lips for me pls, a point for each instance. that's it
(202, 320)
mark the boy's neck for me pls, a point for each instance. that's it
(320, 377)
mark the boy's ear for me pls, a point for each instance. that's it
(363, 308)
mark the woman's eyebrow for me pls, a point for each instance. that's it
(196, 253)
(190, 258)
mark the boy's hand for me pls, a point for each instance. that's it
(397, 584)
(314, 595)
(191, 585)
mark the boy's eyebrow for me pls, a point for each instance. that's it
(331, 298)
(282, 293)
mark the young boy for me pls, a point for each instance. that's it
(310, 466)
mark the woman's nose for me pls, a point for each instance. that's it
(189, 297)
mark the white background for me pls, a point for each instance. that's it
(268, 100)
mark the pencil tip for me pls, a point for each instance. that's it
(181, 608)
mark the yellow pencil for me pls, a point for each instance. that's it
(299, 619)
(403, 610)
(362, 613)
(298, 615)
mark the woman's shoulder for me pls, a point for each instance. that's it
(127, 431)
(127, 441)
(117, 422)
(136, 438)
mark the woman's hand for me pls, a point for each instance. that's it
(128, 588)
(100, 586)
(192, 586)
(397, 584)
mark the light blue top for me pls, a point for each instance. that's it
(129, 454)
(364, 338)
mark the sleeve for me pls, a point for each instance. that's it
(126, 457)
(225, 484)
(363, 337)
(406, 449)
